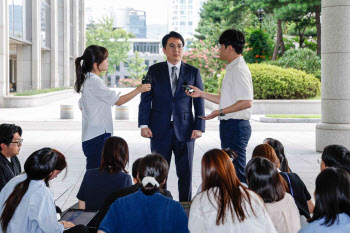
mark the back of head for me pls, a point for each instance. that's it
(153, 171)
(135, 168)
(279, 149)
(336, 156)
(234, 38)
(332, 195)
(218, 171)
(38, 166)
(264, 179)
(92, 54)
(115, 155)
(267, 152)
(7, 132)
(172, 34)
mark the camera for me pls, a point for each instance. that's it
(146, 79)
(186, 87)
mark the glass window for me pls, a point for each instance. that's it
(147, 64)
(45, 25)
(20, 25)
(182, 12)
(155, 61)
(183, 7)
(182, 1)
(190, 23)
(182, 23)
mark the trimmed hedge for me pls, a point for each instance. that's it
(273, 82)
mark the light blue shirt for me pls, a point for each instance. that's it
(341, 226)
(36, 212)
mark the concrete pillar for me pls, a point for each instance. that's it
(45, 69)
(82, 27)
(4, 51)
(36, 44)
(76, 10)
(60, 27)
(66, 46)
(54, 44)
(334, 127)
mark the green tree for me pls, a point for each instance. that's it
(114, 40)
(137, 67)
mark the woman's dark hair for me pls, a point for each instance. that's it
(234, 38)
(336, 156)
(218, 171)
(115, 155)
(264, 179)
(61, 162)
(92, 54)
(7, 132)
(267, 152)
(135, 168)
(174, 35)
(156, 166)
(38, 166)
(332, 195)
(279, 149)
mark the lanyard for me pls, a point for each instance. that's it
(11, 170)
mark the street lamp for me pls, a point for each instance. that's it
(260, 12)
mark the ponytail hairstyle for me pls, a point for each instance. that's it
(92, 54)
(39, 165)
(279, 149)
(153, 171)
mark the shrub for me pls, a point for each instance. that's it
(301, 59)
(273, 82)
(126, 82)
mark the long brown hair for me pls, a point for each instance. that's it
(115, 155)
(267, 152)
(218, 171)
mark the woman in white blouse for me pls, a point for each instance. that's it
(96, 102)
(225, 205)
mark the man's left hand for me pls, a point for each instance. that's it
(212, 115)
(196, 134)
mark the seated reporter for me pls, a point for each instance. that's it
(127, 191)
(98, 183)
(332, 203)
(335, 156)
(27, 203)
(264, 179)
(146, 210)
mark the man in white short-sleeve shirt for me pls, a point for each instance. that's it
(235, 101)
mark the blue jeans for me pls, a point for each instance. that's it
(93, 150)
(235, 134)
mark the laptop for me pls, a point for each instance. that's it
(78, 216)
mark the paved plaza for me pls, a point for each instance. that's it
(43, 128)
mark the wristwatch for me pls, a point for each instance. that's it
(221, 113)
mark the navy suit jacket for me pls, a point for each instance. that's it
(157, 105)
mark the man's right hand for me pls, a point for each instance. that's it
(146, 132)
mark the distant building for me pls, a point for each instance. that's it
(149, 49)
(183, 16)
(130, 20)
(39, 40)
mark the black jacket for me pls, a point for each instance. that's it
(8, 169)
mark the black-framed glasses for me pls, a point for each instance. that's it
(18, 142)
(173, 47)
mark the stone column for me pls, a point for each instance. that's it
(54, 44)
(66, 46)
(75, 34)
(36, 44)
(4, 51)
(82, 27)
(335, 104)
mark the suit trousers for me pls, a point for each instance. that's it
(235, 134)
(93, 150)
(183, 152)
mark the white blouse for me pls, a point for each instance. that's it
(96, 102)
(203, 216)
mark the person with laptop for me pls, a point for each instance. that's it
(147, 210)
(27, 203)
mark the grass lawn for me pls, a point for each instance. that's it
(292, 116)
(42, 91)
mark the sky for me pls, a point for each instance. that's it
(156, 10)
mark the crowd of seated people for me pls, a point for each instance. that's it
(274, 199)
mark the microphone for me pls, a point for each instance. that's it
(186, 87)
(146, 79)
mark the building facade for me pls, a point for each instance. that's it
(39, 40)
(130, 20)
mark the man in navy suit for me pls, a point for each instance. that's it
(165, 112)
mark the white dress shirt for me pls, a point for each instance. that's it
(237, 85)
(36, 213)
(203, 216)
(96, 102)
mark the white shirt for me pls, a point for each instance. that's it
(96, 102)
(203, 216)
(36, 213)
(237, 85)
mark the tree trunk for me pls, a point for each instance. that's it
(279, 40)
(318, 27)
